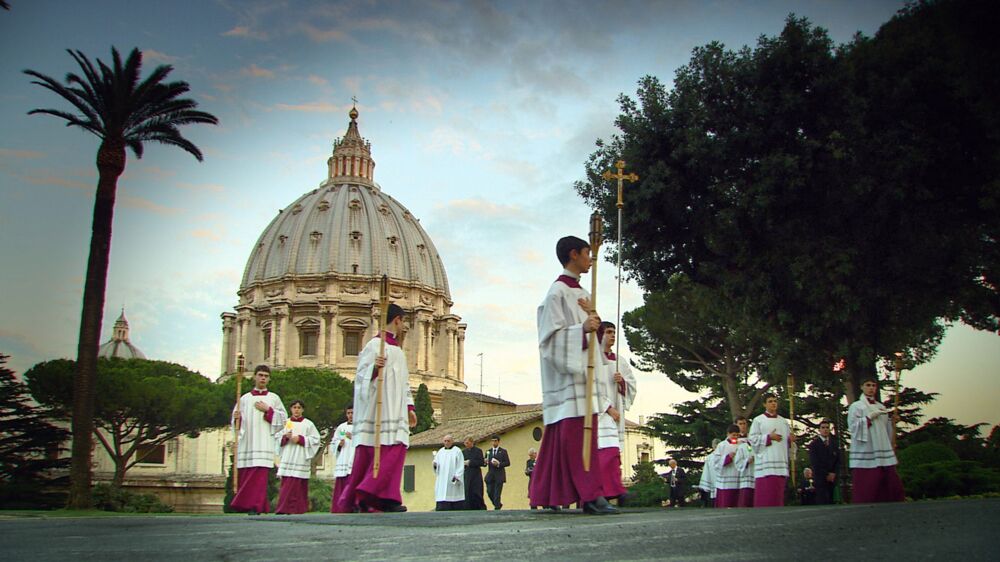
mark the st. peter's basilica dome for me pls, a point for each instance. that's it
(309, 294)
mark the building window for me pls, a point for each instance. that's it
(352, 342)
(536, 434)
(308, 339)
(409, 478)
(151, 454)
(644, 457)
(267, 343)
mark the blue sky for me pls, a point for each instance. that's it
(480, 115)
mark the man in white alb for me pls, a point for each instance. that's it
(449, 469)
(770, 436)
(872, 459)
(258, 417)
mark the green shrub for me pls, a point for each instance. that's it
(948, 478)
(648, 489)
(320, 492)
(109, 498)
(926, 452)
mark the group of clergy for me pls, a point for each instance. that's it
(750, 468)
(458, 480)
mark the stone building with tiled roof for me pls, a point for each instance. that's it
(520, 428)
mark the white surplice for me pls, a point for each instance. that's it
(449, 468)
(871, 443)
(295, 459)
(344, 448)
(610, 395)
(563, 356)
(396, 397)
(256, 433)
(727, 476)
(770, 457)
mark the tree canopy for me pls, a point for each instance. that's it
(843, 198)
(30, 444)
(139, 403)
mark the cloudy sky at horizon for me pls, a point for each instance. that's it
(480, 114)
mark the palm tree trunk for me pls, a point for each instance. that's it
(110, 165)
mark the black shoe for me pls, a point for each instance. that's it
(623, 499)
(554, 508)
(600, 506)
(394, 508)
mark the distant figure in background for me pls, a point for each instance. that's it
(706, 485)
(473, 475)
(344, 446)
(746, 470)
(872, 460)
(297, 444)
(497, 462)
(807, 488)
(676, 477)
(258, 416)
(449, 466)
(824, 458)
(529, 467)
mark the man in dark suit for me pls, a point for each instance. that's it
(473, 475)
(675, 477)
(824, 457)
(497, 461)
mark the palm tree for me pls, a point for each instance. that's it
(123, 112)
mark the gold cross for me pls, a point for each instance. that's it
(607, 175)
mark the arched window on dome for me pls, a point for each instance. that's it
(353, 330)
(308, 337)
(265, 330)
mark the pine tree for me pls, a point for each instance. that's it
(29, 444)
(424, 410)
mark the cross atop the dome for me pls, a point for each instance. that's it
(355, 100)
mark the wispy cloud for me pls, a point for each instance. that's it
(207, 234)
(154, 55)
(318, 35)
(257, 72)
(478, 207)
(311, 107)
(317, 80)
(146, 205)
(14, 153)
(58, 181)
(246, 32)
(209, 187)
(449, 139)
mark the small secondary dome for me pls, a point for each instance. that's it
(119, 344)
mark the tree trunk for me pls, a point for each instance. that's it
(729, 387)
(110, 165)
(120, 468)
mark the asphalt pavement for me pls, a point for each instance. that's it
(916, 530)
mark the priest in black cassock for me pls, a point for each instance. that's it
(474, 463)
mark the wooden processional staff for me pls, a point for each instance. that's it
(240, 365)
(383, 303)
(793, 448)
(596, 229)
(619, 400)
(895, 399)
